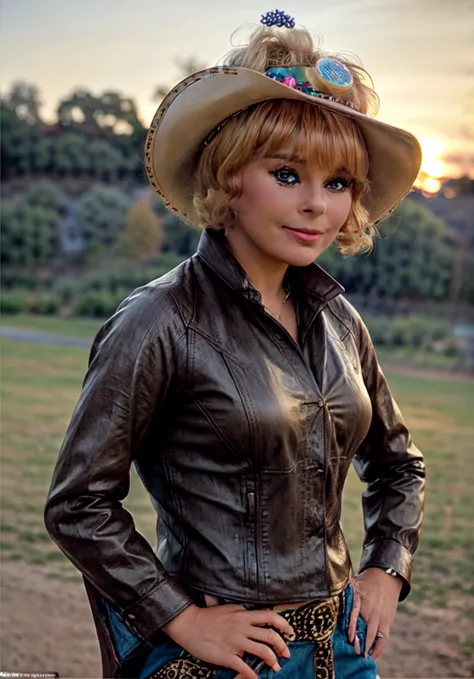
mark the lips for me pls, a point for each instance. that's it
(304, 235)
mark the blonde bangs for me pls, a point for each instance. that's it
(322, 138)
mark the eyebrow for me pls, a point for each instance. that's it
(296, 159)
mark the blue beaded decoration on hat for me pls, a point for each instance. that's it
(277, 18)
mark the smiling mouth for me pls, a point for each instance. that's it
(305, 235)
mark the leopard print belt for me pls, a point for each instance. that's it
(313, 622)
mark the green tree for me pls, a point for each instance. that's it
(78, 109)
(118, 113)
(44, 153)
(105, 161)
(101, 215)
(24, 99)
(29, 234)
(72, 157)
(18, 140)
(143, 236)
(411, 260)
(46, 195)
(110, 112)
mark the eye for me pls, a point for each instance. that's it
(339, 184)
(286, 176)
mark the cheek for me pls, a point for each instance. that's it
(341, 211)
(259, 197)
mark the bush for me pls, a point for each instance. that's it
(46, 304)
(66, 288)
(415, 332)
(101, 215)
(100, 304)
(47, 195)
(13, 301)
(30, 234)
(14, 278)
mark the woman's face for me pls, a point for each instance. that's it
(288, 211)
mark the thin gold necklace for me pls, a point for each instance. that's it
(278, 315)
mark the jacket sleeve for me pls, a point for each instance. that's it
(131, 372)
(394, 471)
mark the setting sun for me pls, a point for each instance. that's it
(432, 166)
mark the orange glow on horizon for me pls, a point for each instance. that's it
(432, 166)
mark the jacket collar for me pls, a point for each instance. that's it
(309, 280)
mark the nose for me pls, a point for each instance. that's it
(314, 202)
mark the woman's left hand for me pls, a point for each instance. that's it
(376, 596)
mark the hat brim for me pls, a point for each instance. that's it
(195, 107)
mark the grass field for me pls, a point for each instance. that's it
(41, 384)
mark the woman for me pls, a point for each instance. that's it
(242, 385)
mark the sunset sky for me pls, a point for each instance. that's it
(420, 54)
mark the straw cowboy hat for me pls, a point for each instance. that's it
(202, 102)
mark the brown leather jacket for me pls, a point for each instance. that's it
(242, 437)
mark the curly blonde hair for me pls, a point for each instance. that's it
(328, 138)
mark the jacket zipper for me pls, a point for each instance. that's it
(250, 506)
(251, 528)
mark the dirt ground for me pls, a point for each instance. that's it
(46, 625)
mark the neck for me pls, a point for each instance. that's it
(265, 273)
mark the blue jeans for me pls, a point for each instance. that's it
(347, 664)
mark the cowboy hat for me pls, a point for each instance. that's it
(201, 102)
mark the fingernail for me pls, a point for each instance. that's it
(287, 653)
(276, 667)
(357, 644)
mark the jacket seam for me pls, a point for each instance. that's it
(221, 349)
(386, 539)
(178, 309)
(145, 596)
(215, 426)
(348, 324)
(247, 405)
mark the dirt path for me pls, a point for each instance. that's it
(37, 337)
(46, 626)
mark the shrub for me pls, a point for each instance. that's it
(46, 304)
(100, 304)
(101, 215)
(66, 288)
(414, 331)
(14, 278)
(13, 301)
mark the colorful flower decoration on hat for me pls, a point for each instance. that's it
(329, 73)
(277, 18)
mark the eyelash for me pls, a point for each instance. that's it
(346, 183)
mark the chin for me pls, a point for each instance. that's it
(301, 256)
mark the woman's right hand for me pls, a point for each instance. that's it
(222, 634)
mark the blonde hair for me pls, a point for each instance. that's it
(328, 138)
